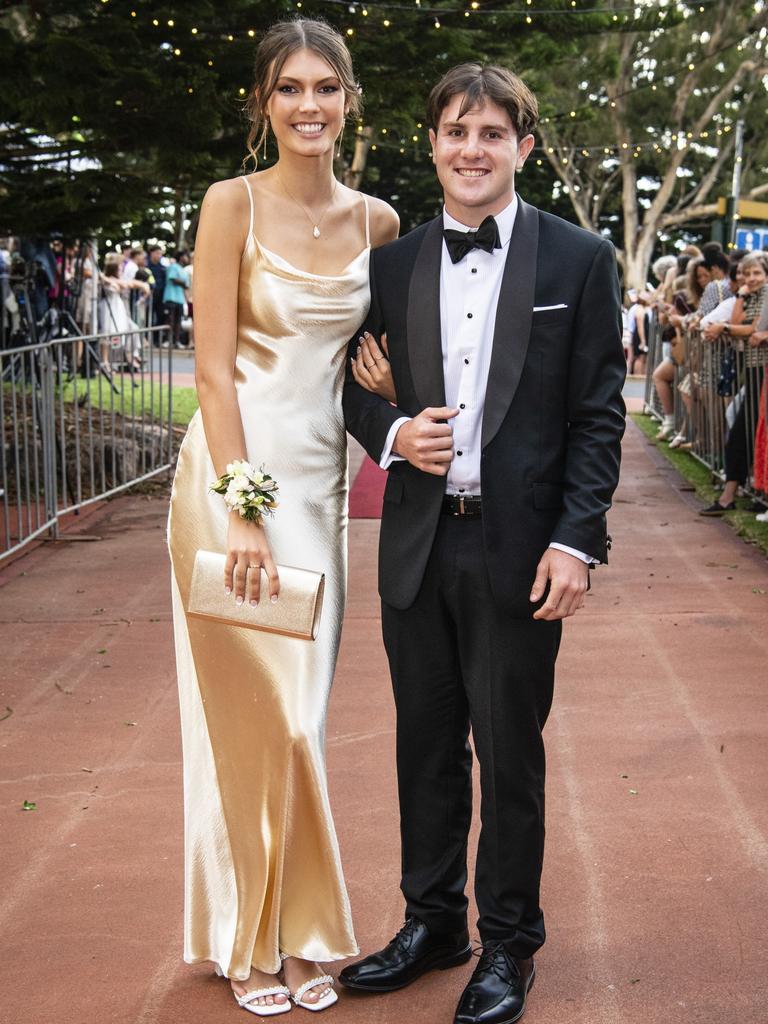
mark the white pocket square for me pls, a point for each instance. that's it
(541, 309)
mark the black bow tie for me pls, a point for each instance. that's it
(461, 242)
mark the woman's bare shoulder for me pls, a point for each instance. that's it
(385, 223)
(227, 196)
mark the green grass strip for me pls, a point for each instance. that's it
(742, 520)
(154, 398)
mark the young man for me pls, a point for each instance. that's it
(504, 335)
(174, 295)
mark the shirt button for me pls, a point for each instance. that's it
(459, 453)
(466, 362)
(461, 490)
(462, 406)
(474, 270)
(469, 316)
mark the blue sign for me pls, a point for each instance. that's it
(751, 239)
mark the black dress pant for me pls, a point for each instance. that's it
(458, 661)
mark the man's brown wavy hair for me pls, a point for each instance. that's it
(480, 82)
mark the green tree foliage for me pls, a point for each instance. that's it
(116, 115)
(640, 132)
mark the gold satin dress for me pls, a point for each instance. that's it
(263, 875)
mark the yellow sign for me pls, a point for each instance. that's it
(748, 209)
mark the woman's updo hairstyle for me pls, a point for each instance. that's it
(280, 41)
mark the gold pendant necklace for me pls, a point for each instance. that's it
(315, 224)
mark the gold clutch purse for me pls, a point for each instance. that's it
(295, 613)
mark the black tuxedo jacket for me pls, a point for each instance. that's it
(553, 416)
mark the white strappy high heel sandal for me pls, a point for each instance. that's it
(266, 1010)
(322, 1004)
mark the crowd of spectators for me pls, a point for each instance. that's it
(711, 309)
(133, 289)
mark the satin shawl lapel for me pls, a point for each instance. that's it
(425, 349)
(512, 330)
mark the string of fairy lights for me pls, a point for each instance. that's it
(417, 143)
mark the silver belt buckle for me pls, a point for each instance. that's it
(461, 505)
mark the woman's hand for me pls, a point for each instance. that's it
(371, 368)
(713, 331)
(757, 338)
(247, 553)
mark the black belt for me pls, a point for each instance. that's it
(462, 505)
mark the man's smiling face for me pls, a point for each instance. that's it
(476, 157)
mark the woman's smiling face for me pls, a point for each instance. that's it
(306, 109)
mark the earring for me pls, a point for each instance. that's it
(266, 133)
(341, 136)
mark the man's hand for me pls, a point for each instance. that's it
(426, 441)
(568, 577)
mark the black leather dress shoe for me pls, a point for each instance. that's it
(498, 988)
(413, 951)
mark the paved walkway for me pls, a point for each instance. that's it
(657, 857)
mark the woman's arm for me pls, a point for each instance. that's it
(737, 330)
(737, 316)
(218, 250)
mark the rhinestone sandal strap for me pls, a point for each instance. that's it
(260, 993)
(302, 989)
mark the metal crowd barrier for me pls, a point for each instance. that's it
(81, 420)
(720, 406)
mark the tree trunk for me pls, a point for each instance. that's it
(353, 175)
(637, 259)
(181, 234)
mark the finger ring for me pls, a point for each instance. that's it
(254, 566)
(371, 366)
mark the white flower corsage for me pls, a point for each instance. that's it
(248, 491)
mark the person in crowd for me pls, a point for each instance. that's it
(718, 266)
(157, 270)
(751, 353)
(63, 260)
(136, 257)
(84, 308)
(724, 309)
(174, 296)
(660, 268)
(188, 319)
(125, 256)
(136, 270)
(638, 320)
(282, 282)
(114, 318)
(675, 317)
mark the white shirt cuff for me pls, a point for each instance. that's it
(576, 554)
(387, 458)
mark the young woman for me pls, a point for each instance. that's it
(114, 316)
(685, 302)
(281, 284)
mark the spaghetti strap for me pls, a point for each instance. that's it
(250, 202)
(367, 220)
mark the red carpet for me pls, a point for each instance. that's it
(367, 492)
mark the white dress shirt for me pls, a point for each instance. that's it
(469, 296)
